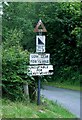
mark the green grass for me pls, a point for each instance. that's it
(63, 85)
(24, 109)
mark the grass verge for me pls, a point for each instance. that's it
(23, 109)
(63, 85)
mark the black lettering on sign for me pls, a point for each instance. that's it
(34, 56)
(46, 56)
(34, 61)
(39, 61)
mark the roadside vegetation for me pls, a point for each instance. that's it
(24, 109)
(63, 41)
(66, 77)
(63, 85)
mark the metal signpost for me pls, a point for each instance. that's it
(40, 61)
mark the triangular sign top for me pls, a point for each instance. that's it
(37, 27)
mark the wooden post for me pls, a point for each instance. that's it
(32, 91)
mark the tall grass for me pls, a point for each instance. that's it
(24, 109)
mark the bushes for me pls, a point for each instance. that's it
(14, 70)
(14, 66)
(66, 74)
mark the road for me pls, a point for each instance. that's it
(69, 99)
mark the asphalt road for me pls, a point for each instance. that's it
(67, 98)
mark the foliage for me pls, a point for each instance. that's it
(68, 74)
(63, 39)
(64, 85)
(16, 16)
(14, 66)
(63, 23)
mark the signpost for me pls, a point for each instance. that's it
(40, 61)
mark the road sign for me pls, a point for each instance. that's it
(40, 58)
(37, 26)
(40, 70)
(40, 40)
(40, 43)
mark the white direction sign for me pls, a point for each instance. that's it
(40, 58)
(40, 70)
(40, 43)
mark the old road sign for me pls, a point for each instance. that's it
(37, 27)
(40, 40)
(40, 43)
(40, 70)
(40, 58)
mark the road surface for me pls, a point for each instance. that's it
(69, 99)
